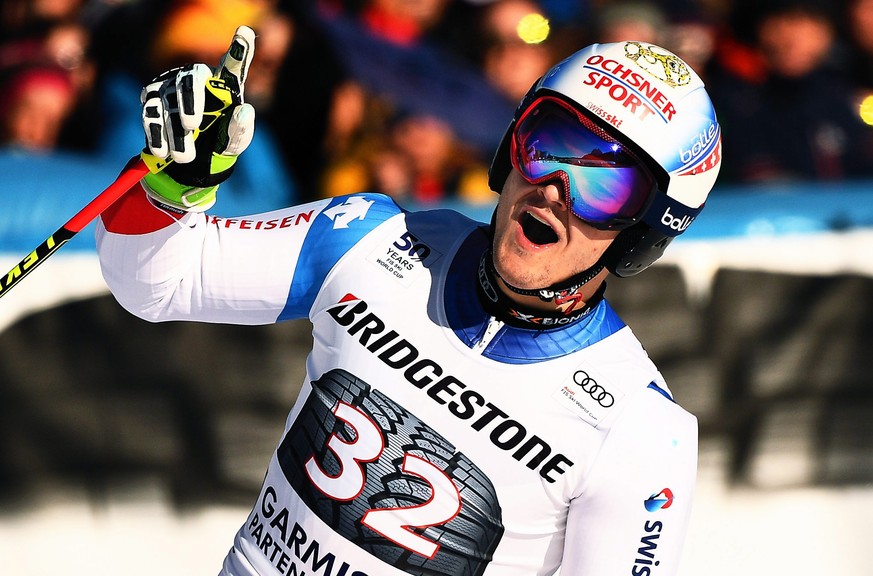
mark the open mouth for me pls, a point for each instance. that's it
(536, 230)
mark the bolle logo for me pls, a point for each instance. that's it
(701, 144)
(675, 222)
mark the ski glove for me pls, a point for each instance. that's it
(196, 125)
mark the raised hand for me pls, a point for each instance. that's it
(196, 124)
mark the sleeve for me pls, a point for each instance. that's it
(634, 512)
(255, 269)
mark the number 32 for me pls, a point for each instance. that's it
(393, 523)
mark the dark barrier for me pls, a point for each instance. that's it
(94, 396)
(795, 368)
(779, 367)
(776, 366)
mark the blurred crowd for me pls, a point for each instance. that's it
(410, 97)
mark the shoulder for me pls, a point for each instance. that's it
(642, 415)
(623, 368)
(374, 208)
(441, 219)
(442, 226)
(338, 223)
(344, 225)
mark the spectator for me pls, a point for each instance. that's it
(796, 120)
(26, 16)
(415, 86)
(692, 34)
(402, 21)
(46, 74)
(642, 21)
(275, 35)
(514, 58)
(440, 166)
(319, 111)
(356, 142)
(37, 101)
(411, 157)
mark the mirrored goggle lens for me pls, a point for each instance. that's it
(604, 183)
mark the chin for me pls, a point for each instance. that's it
(517, 272)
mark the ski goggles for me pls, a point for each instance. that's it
(603, 182)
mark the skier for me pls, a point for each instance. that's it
(472, 403)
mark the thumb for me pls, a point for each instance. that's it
(234, 65)
(240, 130)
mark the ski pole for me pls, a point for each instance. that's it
(131, 174)
(135, 169)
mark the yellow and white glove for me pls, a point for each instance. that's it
(196, 124)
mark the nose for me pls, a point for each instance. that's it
(553, 193)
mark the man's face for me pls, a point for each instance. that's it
(537, 240)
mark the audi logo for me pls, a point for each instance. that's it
(595, 390)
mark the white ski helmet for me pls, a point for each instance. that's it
(651, 102)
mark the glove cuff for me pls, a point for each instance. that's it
(203, 171)
(178, 197)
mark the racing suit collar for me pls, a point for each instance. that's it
(504, 309)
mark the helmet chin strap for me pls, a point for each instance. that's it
(558, 290)
(620, 246)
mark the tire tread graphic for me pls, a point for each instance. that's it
(466, 542)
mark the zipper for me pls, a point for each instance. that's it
(491, 330)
